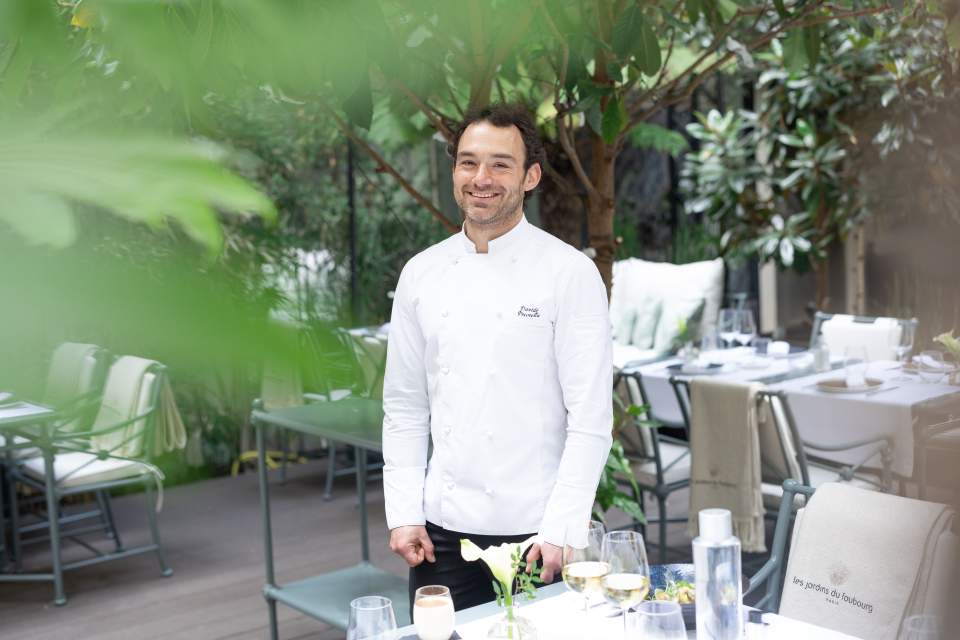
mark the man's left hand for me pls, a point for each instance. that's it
(552, 560)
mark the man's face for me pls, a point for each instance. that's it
(488, 175)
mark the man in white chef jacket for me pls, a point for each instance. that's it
(499, 354)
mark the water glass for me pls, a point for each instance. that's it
(371, 618)
(930, 366)
(746, 327)
(658, 620)
(728, 326)
(433, 613)
(921, 627)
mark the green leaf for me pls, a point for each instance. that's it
(646, 135)
(595, 118)
(953, 32)
(781, 9)
(359, 106)
(694, 9)
(794, 51)
(41, 218)
(811, 43)
(626, 32)
(648, 55)
(728, 9)
(614, 119)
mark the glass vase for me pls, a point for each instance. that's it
(513, 627)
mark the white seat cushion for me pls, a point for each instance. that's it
(646, 471)
(94, 472)
(773, 493)
(28, 452)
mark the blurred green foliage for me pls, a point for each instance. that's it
(787, 181)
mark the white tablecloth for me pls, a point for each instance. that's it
(828, 418)
(738, 364)
(561, 618)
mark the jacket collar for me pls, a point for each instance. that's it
(505, 244)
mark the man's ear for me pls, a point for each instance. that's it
(532, 178)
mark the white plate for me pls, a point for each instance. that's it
(839, 385)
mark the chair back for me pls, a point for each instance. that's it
(370, 351)
(879, 336)
(76, 368)
(862, 561)
(77, 371)
(128, 410)
(782, 455)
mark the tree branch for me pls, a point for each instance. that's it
(437, 118)
(799, 22)
(385, 166)
(563, 134)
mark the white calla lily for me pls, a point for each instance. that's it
(498, 557)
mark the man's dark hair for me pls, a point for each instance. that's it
(504, 114)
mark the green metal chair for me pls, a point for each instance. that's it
(660, 463)
(114, 452)
(770, 575)
(74, 383)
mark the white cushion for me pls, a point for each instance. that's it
(678, 313)
(646, 319)
(27, 452)
(646, 472)
(81, 468)
(635, 279)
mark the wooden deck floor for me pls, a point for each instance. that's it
(211, 533)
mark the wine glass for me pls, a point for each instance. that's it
(433, 613)
(905, 343)
(921, 627)
(747, 328)
(930, 366)
(658, 620)
(727, 326)
(628, 582)
(371, 618)
(582, 567)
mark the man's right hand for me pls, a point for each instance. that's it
(412, 544)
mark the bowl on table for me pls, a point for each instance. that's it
(662, 575)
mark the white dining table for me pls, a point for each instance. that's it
(736, 364)
(889, 410)
(558, 615)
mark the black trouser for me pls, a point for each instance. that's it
(470, 583)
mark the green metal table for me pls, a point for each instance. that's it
(356, 422)
(13, 416)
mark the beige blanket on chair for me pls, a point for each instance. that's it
(725, 453)
(862, 561)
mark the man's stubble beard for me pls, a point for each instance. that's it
(511, 206)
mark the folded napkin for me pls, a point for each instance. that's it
(170, 433)
(862, 561)
(123, 398)
(725, 457)
(778, 348)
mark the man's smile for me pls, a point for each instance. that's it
(481, 194)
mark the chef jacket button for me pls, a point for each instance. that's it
(493, 372)
(448, 430)
(513, 259)
(490, 435)
(488, 491)
(444, 313)
(445, 370)
(449, 486)
(499, 315)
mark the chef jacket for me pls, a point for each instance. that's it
(503, 359)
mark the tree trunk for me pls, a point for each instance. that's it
(562, 205)
(821, 269)
(600, 207)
